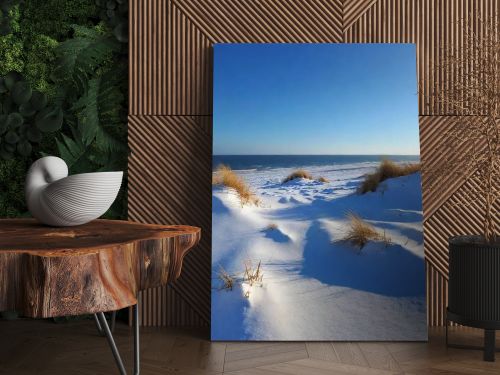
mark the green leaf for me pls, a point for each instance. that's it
(11, 137)
(6, 155)
(3, 88)
(98, 114)
(74, 153)
(3, 123)
(80, 56)
(8, 105)
(38, 100)
(11, 78)
(120, 31)
(24, 148)
(49, 119)
(14, 120)
(27, 109)
(33, 134)
(9, 147)
(21, 92)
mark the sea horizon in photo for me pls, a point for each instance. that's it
(257, 161)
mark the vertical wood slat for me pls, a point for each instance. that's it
(437, 297)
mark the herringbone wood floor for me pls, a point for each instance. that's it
(42, 347)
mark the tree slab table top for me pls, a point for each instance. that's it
(100, 266)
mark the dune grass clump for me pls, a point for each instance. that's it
(299, 173)
(360, 232)
(253, 275)
(226, 279)
(387, 169)
(323, 180)
(224, 176)
(272, 226)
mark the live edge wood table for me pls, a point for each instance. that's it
(89, 269)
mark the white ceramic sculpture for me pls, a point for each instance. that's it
(56, 199)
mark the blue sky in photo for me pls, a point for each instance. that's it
(307, 99)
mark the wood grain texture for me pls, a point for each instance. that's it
(99, 266)
(170, 78)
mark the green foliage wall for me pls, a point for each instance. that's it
(63, 91)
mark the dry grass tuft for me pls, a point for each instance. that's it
(227, 279)
(360, 232)
(385, 239)
(299, 173)
(226, 177)
(323, 179)
(387, 169)
(272, 226)
(252, 275)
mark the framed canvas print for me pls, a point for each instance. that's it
(316, 193)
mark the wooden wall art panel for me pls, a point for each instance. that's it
(171, 107)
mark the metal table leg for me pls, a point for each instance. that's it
(488, 348)
(103, 325)
(113, 324)
(489, 345)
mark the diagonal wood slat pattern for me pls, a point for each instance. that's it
(353, 9)
(171, 105)
(438, 189)
(264, 21)
(171, 164)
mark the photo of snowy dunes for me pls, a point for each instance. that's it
(316, 194)
(285, 268)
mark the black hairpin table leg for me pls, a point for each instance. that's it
(103, 325)
(113, 323)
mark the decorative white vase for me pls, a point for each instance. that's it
(56, 199)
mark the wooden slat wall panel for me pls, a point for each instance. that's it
(437, 296)
(171, 107)
(264, 21)
(189, 69)
(170, 163)
(147, 50)
(353, 10)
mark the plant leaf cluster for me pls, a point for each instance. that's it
(72, 57)
(24, 116)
